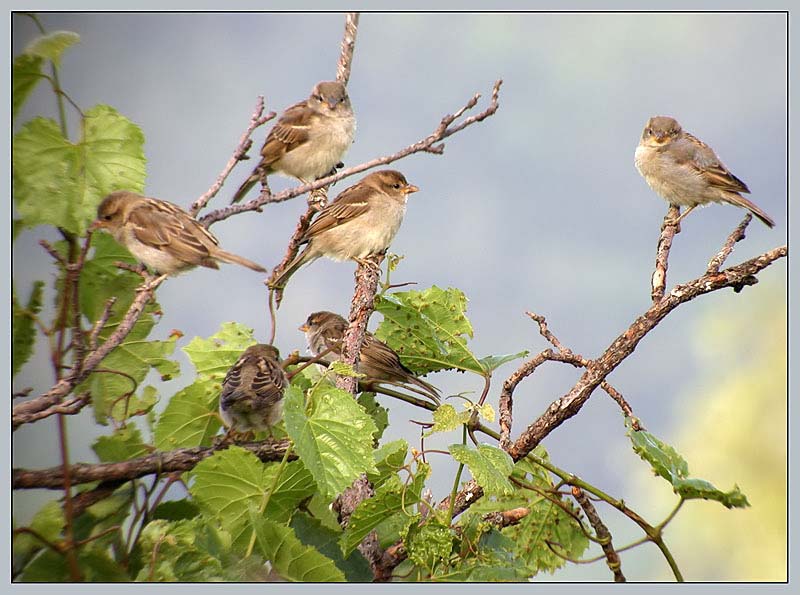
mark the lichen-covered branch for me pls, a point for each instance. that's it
(182, 459)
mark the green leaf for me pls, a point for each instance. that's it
(227, 483)
(325, 540)
(393, 497)
(333, 437)
(176, 510)
(492, 362)
(47, 522)
(213, 357)
(101, 279)
(95, 566)
(379, 414)
(25, 75)
(23, 332)
(289, 557)
(429, 329)
(429, 544)
(667, 463)
(343, 369)
(124, 369)
(389, 459)
(191, 551)
(190, 418)
(446, 418)
(546, 522)
(59, 183)
(51, 45)
(125, 443)
(489, 465)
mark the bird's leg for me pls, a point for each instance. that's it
(676, 221)
(368, 263)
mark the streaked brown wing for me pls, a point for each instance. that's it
(165, 226)
(348, 205)
(233, 379)
(289, 132)
(702, 158)
(376, 354)
(269, 381)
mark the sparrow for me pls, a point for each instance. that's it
(685, 171)
(309, 139)
(362, 220)
(161, 235)
(378, 362)
(252, 391)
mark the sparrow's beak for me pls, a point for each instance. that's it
(332, 101)
(411, 188)
(96, 224)
(303, 327)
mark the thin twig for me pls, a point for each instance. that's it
(603, 534)
(737, 235)
(348, 46)
(239, 153)
(24, 412)
(668, 231)
(182, 459)
(424, 145)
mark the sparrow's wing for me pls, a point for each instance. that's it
(379, 356)
(698, 155)
(351, 203)
(289, 132)
(166, 226)
(232, 381)
(268, 381)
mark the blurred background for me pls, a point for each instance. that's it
(537, 208)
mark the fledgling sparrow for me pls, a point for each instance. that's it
(309, 139)
(252, 391)
(379, 362)
(362, 220)
(161, 235)
(685, 171)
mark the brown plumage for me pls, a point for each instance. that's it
(309, 138)
(379, 362)
(252, 391)
(362, 220)
(161, 235)
(686, 172)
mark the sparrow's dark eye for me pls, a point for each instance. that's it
(396, 185)
(107, 217)
(648, 131)
(318, 97)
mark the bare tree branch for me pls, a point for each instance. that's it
(28, 411)
(182, 459)
(239, 153)
(427, 144)
(603, 534)
(668, 231)
(597, 370)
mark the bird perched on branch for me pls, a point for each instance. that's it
(309, 139)
(252, 391)
(685, 171)
(161, 235)
(362, 220)
(379, 362)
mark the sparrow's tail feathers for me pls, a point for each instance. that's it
(245, 187)
(430, 391)
(741, 201)
(304, 257)
(236, 259)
